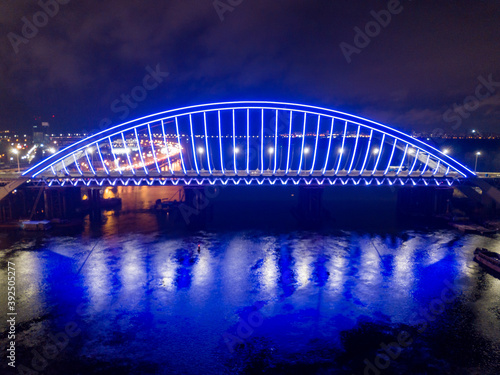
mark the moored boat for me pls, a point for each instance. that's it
(474, 229)
(488, 259)
(40, 225)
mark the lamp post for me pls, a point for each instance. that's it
(475, 165)
(16, 152)
(236, 152)
(201, 150)
(281, 158)
(271, 152)
(375, 152)
(306, 152)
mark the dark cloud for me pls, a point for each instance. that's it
(427, 58)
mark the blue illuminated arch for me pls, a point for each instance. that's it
(274, 140)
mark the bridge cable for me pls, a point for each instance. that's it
(379, 154)
(329, 146)
(193, 143)
(341, 149)
(316, 145)
(166, 147)
(367, 153)
(179, 143)
(140, 151)
(289, 144)
(152, 143)
(426, 165)
(90, 163)
(402, 160)
(392, 155)
(117, 164)
(303, 141)
(276, 142)
(355, 149)
(234, 145)
(248, 140)
(262, 143)
(127, 153)
(220, 144)
(102, 159)
(206, 143)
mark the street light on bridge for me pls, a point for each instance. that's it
(306, 152)
(477, 156)
(271, 152)
(201, 151)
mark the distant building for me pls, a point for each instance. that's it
(40, 133)
(62, 140)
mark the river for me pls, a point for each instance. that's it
(133, 297)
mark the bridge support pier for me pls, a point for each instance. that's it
(424, 201)
(63, 203)
(310, 207)
(196, 209)
(95, 205)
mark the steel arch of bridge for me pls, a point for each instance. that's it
(250, 142)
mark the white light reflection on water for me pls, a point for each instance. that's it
(97, 275)
(235, 270)
(166, 264)
(301, 253)
(337, 266)
(437, 247)
(132, 272)
(269, 273)
(313, 287)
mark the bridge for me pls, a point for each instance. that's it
(249, 143)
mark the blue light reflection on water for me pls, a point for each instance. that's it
(151, 297)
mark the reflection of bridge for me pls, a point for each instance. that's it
(249, 142)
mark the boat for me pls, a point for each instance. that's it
(164, 205)
(41, 225)
(474, 229)
(489, 259)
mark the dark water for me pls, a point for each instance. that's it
(139, 299)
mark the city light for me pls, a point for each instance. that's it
(16, 152)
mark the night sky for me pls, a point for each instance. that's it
(409, 74)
